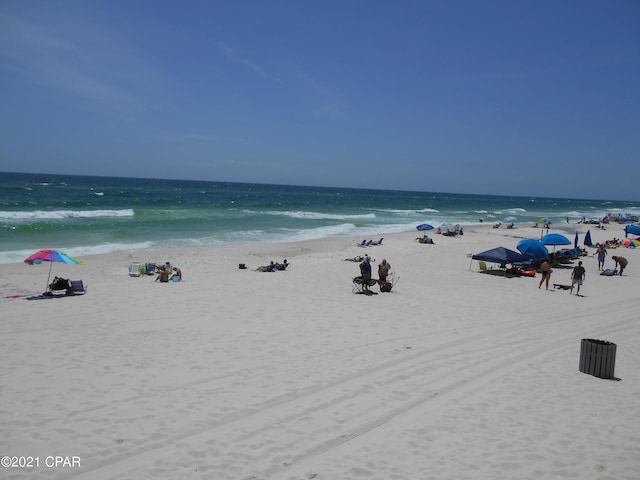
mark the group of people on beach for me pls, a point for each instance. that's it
(273, 266)
(167, 273)
(620, 263)
(365, 272)
(578, 273)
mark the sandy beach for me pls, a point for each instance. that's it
(237, 374)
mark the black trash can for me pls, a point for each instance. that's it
(597, 358)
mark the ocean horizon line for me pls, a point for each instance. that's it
(285, 185)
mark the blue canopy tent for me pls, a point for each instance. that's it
(631, 229)
(532, 248)
(501, 255)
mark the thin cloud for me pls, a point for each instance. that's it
(233, 55)
(46, 60)
(331, 110)
(205, 137)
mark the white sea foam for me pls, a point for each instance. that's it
(321, 216)
(408, 212)
(44, 215)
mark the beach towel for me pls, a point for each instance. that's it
(608, 272)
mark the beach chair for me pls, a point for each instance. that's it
(134, 269)
(78, 287)
(483, 266)
(359, 284)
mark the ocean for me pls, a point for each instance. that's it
(84, 215)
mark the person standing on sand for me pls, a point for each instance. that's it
(383, 271)
(577, 277)
(365, 271)
(601, 251)
(545, 271)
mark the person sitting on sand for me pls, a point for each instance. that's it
(425, 239)
(357, 258)
(269, 268)
(163, 276)
(177, 275)
(283, 265)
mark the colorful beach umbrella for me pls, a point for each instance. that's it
(545, 220)
(630, 243)
(51, 256)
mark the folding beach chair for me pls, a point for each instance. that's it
(359, 283)
(78, 287)
(134, 269)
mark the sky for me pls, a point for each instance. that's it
(514, 97)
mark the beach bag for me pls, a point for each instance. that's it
(386, 287)
(59, 284)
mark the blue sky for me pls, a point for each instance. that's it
(506, 97)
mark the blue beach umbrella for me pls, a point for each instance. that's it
(532, 248)
(446, 224)
(545, 220)
(510, 218)
(587, 239)
(555, 239)
(424, 226)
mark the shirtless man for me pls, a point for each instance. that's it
(620, 262)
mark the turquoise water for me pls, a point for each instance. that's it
(87, 215)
